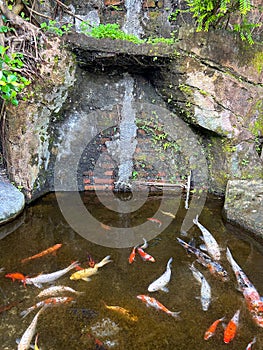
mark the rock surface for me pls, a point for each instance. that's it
(12, 201)
(244, 204)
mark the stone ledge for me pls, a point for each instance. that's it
(12, 202)
(244, 204)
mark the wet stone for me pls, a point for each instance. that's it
(12, 201)
(244, 204)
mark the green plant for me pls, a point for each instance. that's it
(55, 28)
(11, 81)
(216, 13)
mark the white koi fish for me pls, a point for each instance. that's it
(55, 290)
(24, 343)
(210, 242)
(163, 280)
(205, 287)
(50, 277)
(149, 301)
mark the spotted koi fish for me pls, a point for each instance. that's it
(213, 266)
(249, 345)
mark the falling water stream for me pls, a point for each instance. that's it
(118, 283)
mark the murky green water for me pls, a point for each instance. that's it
(118, 283)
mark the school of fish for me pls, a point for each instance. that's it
(58, 295)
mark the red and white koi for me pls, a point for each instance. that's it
(213, 266)
(145, 256)
(24, 343)
(47, 302)
(149, 301)
(163, 280)
(211, 330)
(249, 345)
(205, 287)
(210, 242)
(50, 277)
(231, 328)
(156, 221)
(250, 293)
(56, 290)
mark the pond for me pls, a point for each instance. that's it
(76, 325)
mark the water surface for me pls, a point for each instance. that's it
(118, 283)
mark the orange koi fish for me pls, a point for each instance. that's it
(156, 221)
(54, 301)
(231, 328)
(44, 252)
(249, 345)
(211, 330)
(17, 276)
(149, 301)
(132, 255)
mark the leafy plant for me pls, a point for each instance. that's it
(53, 27)
(113, 31)
(216, 13)
(11, 81)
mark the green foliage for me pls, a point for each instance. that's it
(113, 31)
(216, 13)
(11, 81)
(55, 28)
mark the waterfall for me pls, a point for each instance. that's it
(123, 147)
(132, 22)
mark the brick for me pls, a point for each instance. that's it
(99, 188)
(108, 173)
(112, 2)
(86, 181)
(103, 181)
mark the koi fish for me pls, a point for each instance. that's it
(55, 290)
(205, 287)
(168, 214)
(98, 344)
(132, 255)
(50, 277)
(47, 302)
(249, 345)
(122, 311)
(231, 328)
(250, 293)
(156, 221)
(145, 256)
(211, 330)
(163, 280)
(210, 242)
(24, 342)
(16, 276)
(86, 273)
(149, 301)
(43, 253)
(105, 227)
(9, 306)
(213, 266)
